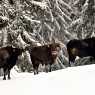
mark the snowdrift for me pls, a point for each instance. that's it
(78, 80)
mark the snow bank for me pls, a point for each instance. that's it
(71, 81)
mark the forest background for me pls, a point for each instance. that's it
(39, 22)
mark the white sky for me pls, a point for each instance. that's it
(70, 81)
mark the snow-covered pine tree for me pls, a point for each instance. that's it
(83, 22)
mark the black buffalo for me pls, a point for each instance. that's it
(8, 58)
(45, 54)
(81, 48)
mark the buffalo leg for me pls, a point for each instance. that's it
(46, 68)
(4, 78)
(9, 74)
(35, 67)
(69, 63)
(49, 68)
(5, 72)
(71, 60)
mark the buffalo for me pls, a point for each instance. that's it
(81, 48)
(45, 55)
(8, 58)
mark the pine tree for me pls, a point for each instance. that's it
(83, 19)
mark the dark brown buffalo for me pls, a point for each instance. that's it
(8, 58)
(81, 48)
(46, 54)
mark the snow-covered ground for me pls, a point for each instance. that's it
(71, 81)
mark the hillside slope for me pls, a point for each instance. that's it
(71, 81)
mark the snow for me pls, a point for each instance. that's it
(71, 81)
(4, 18)
(78, 21)
(43, 4)
(31, 20)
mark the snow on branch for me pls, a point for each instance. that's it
(65, 5)
(50, 12)
(66, 17)
(27, 36)
(4, 18)
(85, 6)
(48, 26)
(31, 20)
(65, 10)
(28, 39)
(19, 42)
(57, 24)
(86, 2)
(76, 2)
(62, 20)
(76, 22)
(42, 5)
(69, 35)
(80, 2)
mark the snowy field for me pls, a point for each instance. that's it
(70, 81)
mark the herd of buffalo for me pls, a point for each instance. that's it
(46, 54)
